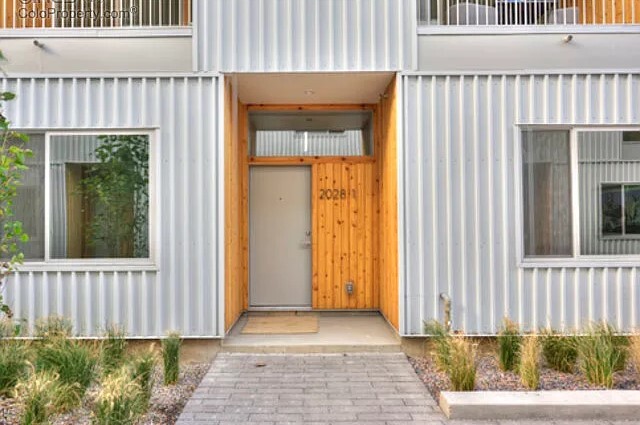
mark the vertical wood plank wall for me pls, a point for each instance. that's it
(388, 204)
(343, 217)
(235, 222)
(607, 11)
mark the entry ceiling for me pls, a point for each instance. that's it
(312, 88)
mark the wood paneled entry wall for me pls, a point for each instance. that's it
(354, 214)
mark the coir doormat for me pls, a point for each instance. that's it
(281, 324)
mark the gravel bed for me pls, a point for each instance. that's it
(490, 377)
(166, 402)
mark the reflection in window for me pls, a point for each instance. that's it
(611, 209)
(99, 196)
(546, 188)
(311, 133)
(28, 205)
(609, 172)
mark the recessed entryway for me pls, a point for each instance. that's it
(333, 247)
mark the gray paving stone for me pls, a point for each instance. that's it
(315, 389)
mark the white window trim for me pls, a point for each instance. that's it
(100, 264)
(577, 259)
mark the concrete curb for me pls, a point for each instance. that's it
(558, 405)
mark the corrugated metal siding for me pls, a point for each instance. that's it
(459, 209)
(305, 35)
(182, 293)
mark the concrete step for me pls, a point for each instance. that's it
(558, 405)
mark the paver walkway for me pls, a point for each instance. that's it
(339, 389)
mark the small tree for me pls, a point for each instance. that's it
(116, 188)
(13, 157)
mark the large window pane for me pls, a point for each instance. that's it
(28, 206)
(546, 188)
(609, 174)
(99, 196)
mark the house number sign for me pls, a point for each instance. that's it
(336, 194)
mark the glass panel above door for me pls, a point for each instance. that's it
(277, 134)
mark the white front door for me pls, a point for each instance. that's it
(280, 236)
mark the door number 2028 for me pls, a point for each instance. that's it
(327, 194)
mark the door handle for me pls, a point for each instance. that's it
(306, 243)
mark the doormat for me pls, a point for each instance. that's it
(281, 324)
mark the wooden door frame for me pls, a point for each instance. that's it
(305, 160)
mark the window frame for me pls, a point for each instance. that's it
(624, 235)
(99, 264)
(576, 259)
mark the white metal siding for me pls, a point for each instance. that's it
(182, 292)
(459, 210)
(305, 35)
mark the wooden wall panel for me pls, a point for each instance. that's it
(607, 11)
(343, 203)
(235, 204)
(386, 148)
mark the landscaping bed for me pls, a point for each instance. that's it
(165, 406)
(57, 379)
(489, 377)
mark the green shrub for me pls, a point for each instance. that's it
(14, 366)
(560, 351)
(619, 342)
(112, 349)
(142, 366)
(10, 329)
(120, 400)
(598, 356)
(53, 327)
(75, 362)
(442, 341)
(171, 358)
(462, 364)
(509, 341)
(42, 395)
(530, 362)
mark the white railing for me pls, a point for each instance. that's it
(528, 12)
(18, 14)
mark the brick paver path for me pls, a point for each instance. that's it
(317, 389)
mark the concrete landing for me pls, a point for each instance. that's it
(557, 405)
(337, 333)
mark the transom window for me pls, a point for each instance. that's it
(275, 134)
(86, 196)
(580, 192)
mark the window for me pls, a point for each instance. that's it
(311, 133)
(581, 201)
(546, 188)
(620, 206)
(98, 197)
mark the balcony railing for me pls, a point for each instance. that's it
(19, 14)
(528, 12)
